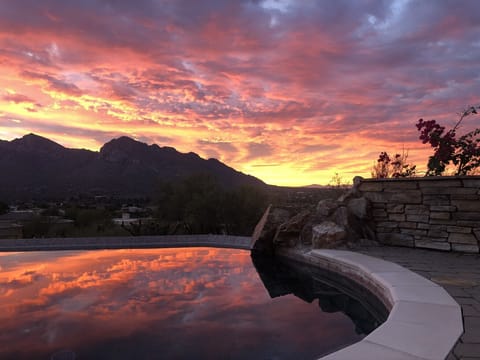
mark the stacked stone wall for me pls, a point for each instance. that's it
(434, 212)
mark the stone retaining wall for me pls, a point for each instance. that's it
(433, 212)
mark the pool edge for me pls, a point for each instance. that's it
(424, 322)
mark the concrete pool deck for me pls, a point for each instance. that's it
(458, 274)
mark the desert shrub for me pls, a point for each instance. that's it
(385, 167)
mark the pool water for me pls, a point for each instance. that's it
(178, 303)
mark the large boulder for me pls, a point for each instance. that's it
(266, 229)
(326, 207)
(353, 192)
(288, 233)
(355, 220)
(360, 207)
(327, 235)
(341, 217)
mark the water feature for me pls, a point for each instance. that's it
(169, 304)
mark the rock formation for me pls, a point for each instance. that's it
(332, 223)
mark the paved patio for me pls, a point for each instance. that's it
(458, 273)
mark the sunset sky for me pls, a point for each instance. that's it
(288, 91)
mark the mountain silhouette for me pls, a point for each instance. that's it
(34, 167)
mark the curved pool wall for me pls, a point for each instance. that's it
(331, 291)
(424, 322)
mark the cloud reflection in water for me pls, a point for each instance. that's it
(150, 304)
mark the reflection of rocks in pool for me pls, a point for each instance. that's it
(334, 300)
(278, 279)
(64, 355)
(334, 292)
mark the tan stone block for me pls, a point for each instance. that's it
(449, 191)
(441, 182)
(441, 222)
(465, 248)
(416, 210)
(408, 225)
(396, 217)
(414, 232)
(462, 238)
(459, 229)
(442, 208)
(467, 223)
(437, 227)
(396, 208)
(387, 224)
(437, 234)
(466, 205)
(436, 200)
(463, 191)
(466, 216)
(464, 197)
(440, 215)
(394, 186)
(437, 245)
(407, 197)
(379, 213)
(371, 186)
(375, 197)
(385, 230)
(418, 218)
(471, 183)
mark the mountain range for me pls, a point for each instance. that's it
(34, 167)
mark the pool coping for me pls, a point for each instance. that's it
(424, 323)
(125, 242)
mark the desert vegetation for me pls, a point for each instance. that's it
(454, 154)
(198, 204)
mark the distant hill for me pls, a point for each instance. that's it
(34, 167)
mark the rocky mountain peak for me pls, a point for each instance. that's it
(33, 142)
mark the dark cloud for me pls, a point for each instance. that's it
(259, 150)
(18, 98)
(317, 148)
(223, 146)
(53, 82)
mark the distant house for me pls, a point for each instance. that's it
(10, 230)
(18, 215)
(132, 215)
(126, 219)
(11, 223)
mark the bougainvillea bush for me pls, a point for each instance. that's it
(463, 152)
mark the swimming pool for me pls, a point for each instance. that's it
(174, 303)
